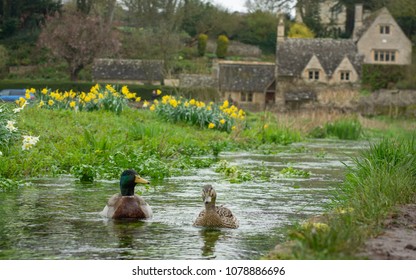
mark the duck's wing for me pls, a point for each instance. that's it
(144, 206)
(108, 210)
(227, 217)
(198, 221)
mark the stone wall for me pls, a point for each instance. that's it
(389, 102)
(197, 81)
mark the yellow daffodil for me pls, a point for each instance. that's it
(72, 104)
(211, 125)
(41, 103)
(145, 104)
(45, 91)
(51, 102)
(158, 92)
(222, 121)
(152, 108)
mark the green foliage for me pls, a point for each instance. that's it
(344, 128)
(300, 30)
(234, 174)
(202, 44)
(8, 184)
(290, 172)
(9, 133)
(84, 172)
(4, 58)
(222, 46)
(377, 77)
(259, 29)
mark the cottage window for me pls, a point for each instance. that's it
(313, 75)
(345, 75)
(246, 97)
(384, 56)
(384, 29)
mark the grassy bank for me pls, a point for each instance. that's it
(99, 144)
(382, 177)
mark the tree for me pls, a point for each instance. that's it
(25, 14)
(78, 39)
(4, 57)
(269, 5)
(202, 44)
(222, 46)
(300, 30)
(259, 28)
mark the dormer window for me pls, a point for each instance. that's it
(384, 29)
(344, 75)
(313, 75)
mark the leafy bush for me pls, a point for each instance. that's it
(377, 77)
(222, 46)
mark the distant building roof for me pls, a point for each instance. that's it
(245, 76)
(294, 54)
(128, 69)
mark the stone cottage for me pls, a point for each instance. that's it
(132, 71)
(377, 39)
(380, 39)
(250, 84)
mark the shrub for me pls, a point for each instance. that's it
(202, 44)
(377, 77)
(222, 46)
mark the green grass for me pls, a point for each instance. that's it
(382, 177)
(348, 128)
(100, 144)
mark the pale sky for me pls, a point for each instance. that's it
(231, 5)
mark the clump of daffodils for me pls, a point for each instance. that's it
(211, 116)
(98, 97)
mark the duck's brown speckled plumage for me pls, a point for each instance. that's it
(214, 216)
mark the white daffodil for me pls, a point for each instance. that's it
(10, 126)
(29, 142)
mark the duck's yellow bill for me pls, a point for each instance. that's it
(140, 180)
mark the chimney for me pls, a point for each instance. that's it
(358, 21)
(281, 31)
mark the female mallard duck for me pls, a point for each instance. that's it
(127, 205)
(214, 216)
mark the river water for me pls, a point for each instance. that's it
(58, 218)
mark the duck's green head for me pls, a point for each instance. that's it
(208, 194)
(128, 180)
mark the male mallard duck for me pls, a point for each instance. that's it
(214, 216)
(126, 204)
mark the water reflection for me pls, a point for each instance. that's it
(210, 237)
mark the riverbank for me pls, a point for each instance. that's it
(381, 179)
(397, 238)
